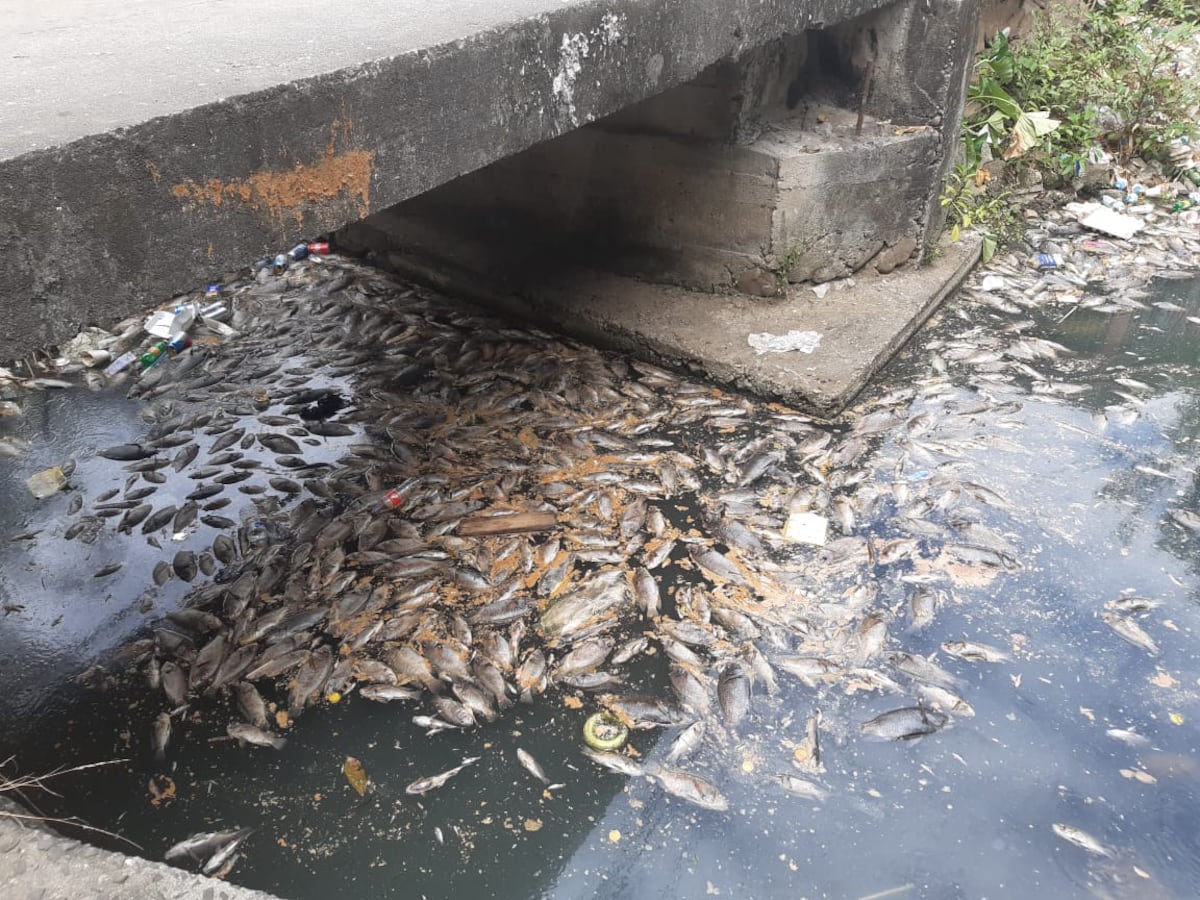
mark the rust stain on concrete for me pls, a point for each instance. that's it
(282, 195)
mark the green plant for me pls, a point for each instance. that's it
(967, 205)
(994, 116)
(1113, 78)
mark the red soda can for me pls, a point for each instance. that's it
(320, 248)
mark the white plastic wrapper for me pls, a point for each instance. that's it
(804, 341)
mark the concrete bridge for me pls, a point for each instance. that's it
(728, 145)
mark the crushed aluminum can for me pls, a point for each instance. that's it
(298, 252)
(319, 248)
(1048, 261)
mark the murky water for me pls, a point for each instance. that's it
(1080, 468)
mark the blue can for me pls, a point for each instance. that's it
(298, 252)
(280, 264)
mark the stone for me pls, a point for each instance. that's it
(758, 283)
(893, 257)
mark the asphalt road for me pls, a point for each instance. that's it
(72, 68)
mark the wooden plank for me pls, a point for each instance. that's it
(515, 523)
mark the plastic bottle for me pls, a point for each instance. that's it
(1048, 260)
(393, 499)
(154, 354)
(121, 363)
(279, 266)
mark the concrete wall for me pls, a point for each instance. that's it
(802, 158)
(96, 229)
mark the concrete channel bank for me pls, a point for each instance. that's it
(143, 153)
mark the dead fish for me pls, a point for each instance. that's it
(972, 651)
(801, 787)
(110, 569)
(256, 737)
(1081, 838)
(220, 522)
(134, 517)
(185, 565)
(174, 683)
(279, 443)
(208, 660)
(904, 724)
(158, 519)
(454, 712)
(733, 693)
(429, 783)
(200, 847)
(532, 766)
(386, 693)
(223, 858)
(224, 548)
(687, 742)
(185, 456)
(206, 491)
(614, 762)
(160, 736)
(226, 440)
(1125, 736)
(433, 724)
(1131, 631)
(687, 786)
(126, 452)
(310, 679)
(251, 704)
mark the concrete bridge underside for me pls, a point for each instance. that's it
(145, 150)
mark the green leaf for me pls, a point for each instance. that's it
(955, 233)
(1028, 128)
(989, 247)
(989, 92)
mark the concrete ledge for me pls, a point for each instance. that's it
(37, 863)
(861, 326)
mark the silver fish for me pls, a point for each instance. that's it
(1081, 838)
(257, 737)
(430, 782)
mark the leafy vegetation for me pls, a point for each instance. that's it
(1108, 78)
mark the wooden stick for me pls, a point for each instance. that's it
(514, 523)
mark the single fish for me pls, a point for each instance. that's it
(904, 724)
(1131, 631)
(532, 766)
(160, 736)
(614, 762)
(801, 787)
(1081, 838)
(688, 742)
(257, 737)
(430, 782)
(251, 704)
(689, 787)
(973, 651)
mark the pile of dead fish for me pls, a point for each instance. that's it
(512, 513)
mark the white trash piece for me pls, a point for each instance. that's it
(804, 341)
(806, 528)
(1106, 221)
